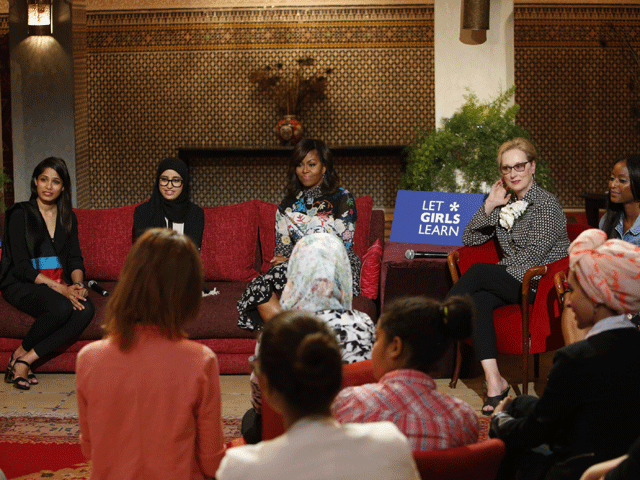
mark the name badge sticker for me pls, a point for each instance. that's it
(436, 218)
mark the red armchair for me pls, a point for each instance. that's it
(526, 328)
(479, 461)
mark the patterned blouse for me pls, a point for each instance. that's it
(538, 236)
(430, 419)
(312, 211)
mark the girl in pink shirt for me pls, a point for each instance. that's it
(148, 398)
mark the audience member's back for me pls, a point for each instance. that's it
(411, 335)
(149, 399)
(300, 371)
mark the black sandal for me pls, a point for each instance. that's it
(16, 380)
(494, 401)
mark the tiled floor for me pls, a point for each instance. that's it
(55, 395)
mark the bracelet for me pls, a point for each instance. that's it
(79, 283)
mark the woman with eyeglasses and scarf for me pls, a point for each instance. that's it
(169, 205)
(531, 229)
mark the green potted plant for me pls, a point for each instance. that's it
(461, 156)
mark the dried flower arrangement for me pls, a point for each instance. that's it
(291, 87)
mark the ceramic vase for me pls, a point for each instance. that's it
(289, 130)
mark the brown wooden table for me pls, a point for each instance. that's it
(400, 277)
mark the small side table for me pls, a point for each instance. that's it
(400, 277)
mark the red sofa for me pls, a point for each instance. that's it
(238, 243)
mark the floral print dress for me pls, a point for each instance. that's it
(311, 211)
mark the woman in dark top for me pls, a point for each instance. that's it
(42, 270)
(588, 412)
(169, 206)
(314, 203)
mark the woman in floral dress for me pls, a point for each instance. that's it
(314, 203)
(531, 228)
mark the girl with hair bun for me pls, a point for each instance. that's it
(588, 412)
(411, 335)
(299, 368)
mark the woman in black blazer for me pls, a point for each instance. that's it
(42, 270)
(588, 412)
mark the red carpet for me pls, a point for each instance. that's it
(42, 447)
(18, 459)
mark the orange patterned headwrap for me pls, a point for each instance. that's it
(607, 270)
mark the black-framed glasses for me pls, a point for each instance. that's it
(518, 167)
(567, 289)
(175, 181)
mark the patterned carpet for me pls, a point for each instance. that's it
(49, 447)
(34, 448)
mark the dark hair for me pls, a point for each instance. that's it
(300, 356)
(330, 180)
(615, 210)
(160, 284)
(426, 326)
(64, 200)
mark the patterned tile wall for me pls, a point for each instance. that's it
(165, 79)
(577, 82)
(159, 80)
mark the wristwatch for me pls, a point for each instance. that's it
(79, 283)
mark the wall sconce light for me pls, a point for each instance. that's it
(475, 15)
(39, 17)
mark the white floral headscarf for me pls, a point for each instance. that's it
(318, 275)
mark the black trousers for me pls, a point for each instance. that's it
(56, 322)
(490, 287)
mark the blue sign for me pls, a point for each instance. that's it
(436, 218)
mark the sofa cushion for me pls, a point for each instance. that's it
(364, 206)
(105, 239)
(229, 242)
(370, 271)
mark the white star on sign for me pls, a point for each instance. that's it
(454, 207)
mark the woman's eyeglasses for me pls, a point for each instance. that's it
(176, 182)
(567, 289)
(518, 167)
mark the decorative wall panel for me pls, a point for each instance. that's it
(165, 79)
(578, 84)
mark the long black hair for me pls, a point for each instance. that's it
(64, 199)
(616, 210)
(426, 326)
(330, 180)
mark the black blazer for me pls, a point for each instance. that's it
(145, 217)
(17, 248)
(590, 404)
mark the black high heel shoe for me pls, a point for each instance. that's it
(25, 385)
(8, 373)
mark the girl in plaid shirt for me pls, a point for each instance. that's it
(411, 335)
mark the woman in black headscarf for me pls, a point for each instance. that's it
(169, 205)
